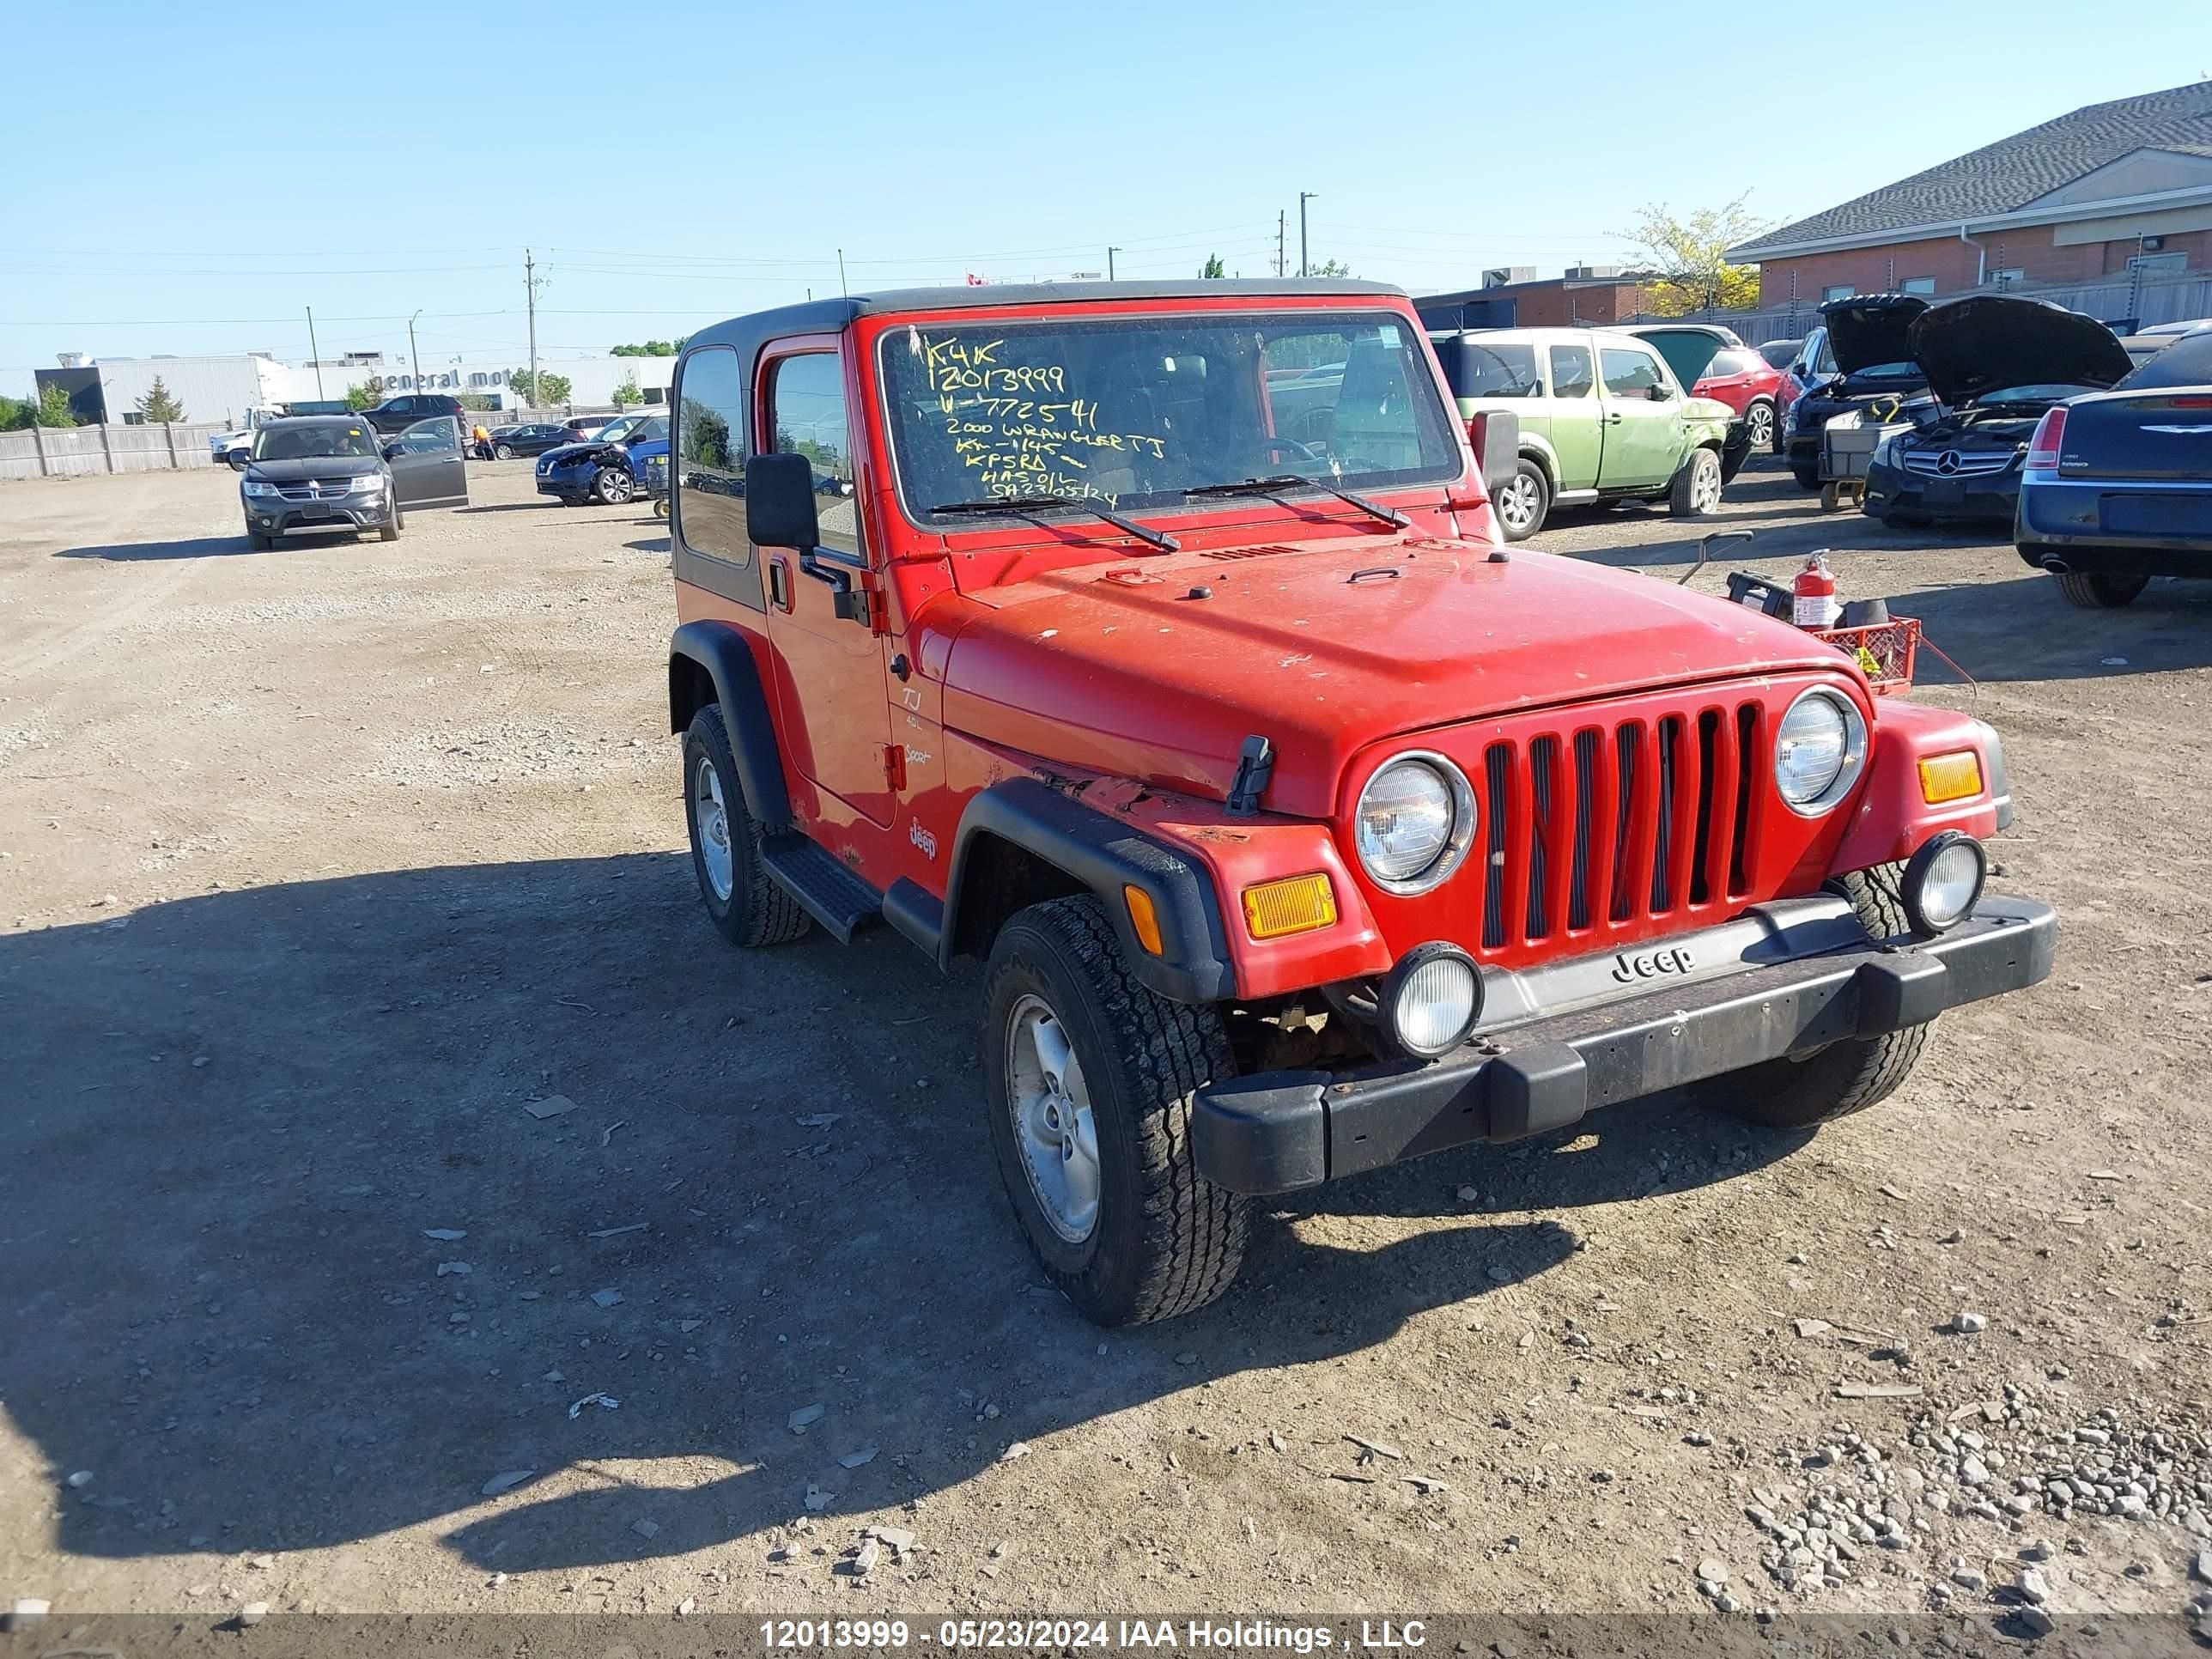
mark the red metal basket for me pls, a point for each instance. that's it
(1884, 651)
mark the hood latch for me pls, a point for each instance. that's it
(1256, 764)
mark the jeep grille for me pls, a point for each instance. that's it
(1640, 820)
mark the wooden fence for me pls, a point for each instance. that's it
(65, 451)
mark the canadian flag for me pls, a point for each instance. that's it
(974, 281)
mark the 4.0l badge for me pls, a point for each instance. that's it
(1629, 967)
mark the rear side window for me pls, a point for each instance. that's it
(1733, 360)
(1502, 370)
(709, 472)
(1629, 372)
(2188, 361)
(1571, 372)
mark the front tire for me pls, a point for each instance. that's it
(612, 486)
(1088, 1078)
(2093, 590)
(1759, 424)
(746, 908)
(1697, 489)
(1808, 474)
(1523, 501)
(259, 543)
(503, 452)
(1799, 1091)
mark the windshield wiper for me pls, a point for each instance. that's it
(1023, 507)
(1274, 486)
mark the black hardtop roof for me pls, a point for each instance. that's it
(749, 333)
(313, 420)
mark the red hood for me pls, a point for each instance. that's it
(1144, 681)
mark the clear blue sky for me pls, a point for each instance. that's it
(184, 179)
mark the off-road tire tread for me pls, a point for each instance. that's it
(768, 916)
(1845, 1077)
(2093, 590)
(1194, 1232)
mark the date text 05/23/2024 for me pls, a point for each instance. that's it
(1026, 1635)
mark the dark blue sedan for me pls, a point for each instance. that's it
(2118, 486)
(599, 469)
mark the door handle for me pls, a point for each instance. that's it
(778, 584)
(1614, 419)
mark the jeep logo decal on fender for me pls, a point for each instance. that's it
(1650, 964)
(921, 838)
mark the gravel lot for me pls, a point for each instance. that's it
(316, 866)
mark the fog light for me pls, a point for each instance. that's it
(1432, 1000)
(1942, 881)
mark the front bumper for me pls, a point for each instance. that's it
(283, 518)
(1280, 1131)
(568, 482)
(1989, 497)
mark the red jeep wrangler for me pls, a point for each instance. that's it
(1155, 642)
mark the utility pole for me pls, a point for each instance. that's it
(315, 354)
(1282, 234)
(1304, 195)
(841, 288)
(1110, 253)
(413, 356)
(530, 286)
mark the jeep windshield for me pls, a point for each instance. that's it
(1137, 412)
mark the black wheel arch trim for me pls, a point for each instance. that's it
(723, 652)
(1105, 854)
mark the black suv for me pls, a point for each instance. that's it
(397, 414)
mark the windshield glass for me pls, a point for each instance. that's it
(1779, 354)
(632, 428)
(2187, 363)
(1887, 372)
(296, 443)
(2034, 394)
(1135, 410)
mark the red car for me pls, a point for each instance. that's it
(1301, 825)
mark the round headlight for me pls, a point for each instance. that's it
(1818, 752)
(1414, 823)
(1942, 882)
(1431, 1000)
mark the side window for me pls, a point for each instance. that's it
(709, 472)
(431, 437)
(1630, 373)
(1571, 372)
(806, 413)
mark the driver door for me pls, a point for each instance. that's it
(427, 468)
(1642, 427)
(831, 682)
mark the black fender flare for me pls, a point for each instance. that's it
(1106, 853)
(727, 659)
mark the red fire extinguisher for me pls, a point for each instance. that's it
(1815, 604)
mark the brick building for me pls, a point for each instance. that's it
(2094, 196)
(1515, 296)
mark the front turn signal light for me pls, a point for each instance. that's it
(1143, 920)
(1293, 904)
(1950, 777)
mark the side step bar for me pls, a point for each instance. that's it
(825, 889)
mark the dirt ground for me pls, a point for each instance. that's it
(317, 865)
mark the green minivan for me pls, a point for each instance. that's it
(1602, 419)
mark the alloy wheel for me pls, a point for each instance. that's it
(1053, 1123)
(713, 827)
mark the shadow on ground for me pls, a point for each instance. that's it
(239, 1115)
(200, 547)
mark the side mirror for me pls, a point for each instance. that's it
(1496, 434)
(392, 452)
(780, 501)
(1657, 393)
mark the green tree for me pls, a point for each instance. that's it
(1684, 259)
(158, 407)
(358, 397)
(54, 407)
(628, 393)
(1212, 270)
(473, 400)
(15, 413)
(650, 348)
(551, 389)
(1329, 268)
(518, 382)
